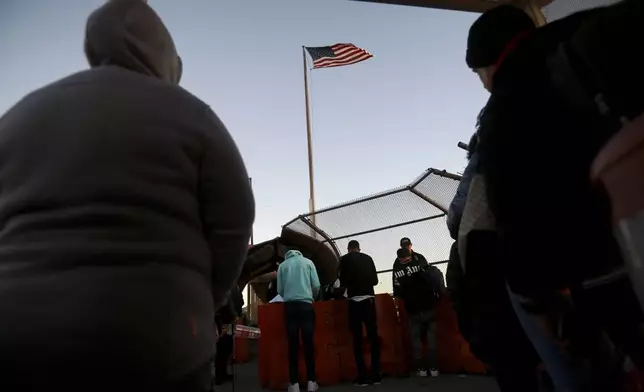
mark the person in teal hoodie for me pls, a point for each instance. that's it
(298, 284)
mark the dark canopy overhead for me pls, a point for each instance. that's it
(457, 5)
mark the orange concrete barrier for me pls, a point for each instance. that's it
(334, 343)
(242, 349)
(392, 352)
(273, 347)
(453, 352)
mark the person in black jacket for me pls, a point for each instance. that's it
(535, 152)
(358, 275)
(125, 217)
(420, 303)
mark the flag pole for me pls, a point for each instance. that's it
(249, 298)
(309, 137)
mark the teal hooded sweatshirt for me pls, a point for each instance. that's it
(297, 278)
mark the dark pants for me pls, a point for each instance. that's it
(497, 337)
(364, 312)
(300, 317)
(422, 326)
(224, 351)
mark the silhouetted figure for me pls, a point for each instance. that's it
(125, 215)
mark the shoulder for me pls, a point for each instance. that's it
(420, 256)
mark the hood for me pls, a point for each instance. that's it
(292, 253)
(129, 34)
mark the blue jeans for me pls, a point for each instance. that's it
(567, 375)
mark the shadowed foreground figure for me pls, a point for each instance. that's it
(125, 214)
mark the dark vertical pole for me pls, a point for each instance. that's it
(249, 299)
(309, 137)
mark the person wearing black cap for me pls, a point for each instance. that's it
(495, 334)
(527, 119)
(419, 285)
(492, 37)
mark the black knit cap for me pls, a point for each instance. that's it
(491, 33)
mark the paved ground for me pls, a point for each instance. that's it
(246, 381)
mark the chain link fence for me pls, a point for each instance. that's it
(561, 8)
(379, 221)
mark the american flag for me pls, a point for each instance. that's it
(337, 55)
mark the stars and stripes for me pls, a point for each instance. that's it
(337, 55)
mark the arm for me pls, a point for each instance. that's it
(280, 282)
(395, 284)
(226, 205)
(374, 273)
(315, 280)
(455, 212)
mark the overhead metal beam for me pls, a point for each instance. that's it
(456, 5)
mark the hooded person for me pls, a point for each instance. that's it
(535, 153)
(125, 215)
(298, 284)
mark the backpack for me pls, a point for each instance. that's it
(434, 279)
(597, 66)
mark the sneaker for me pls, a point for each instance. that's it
(421, 373)
(312, 386)
(360, 382)
(376, 380)
(294, 388)
(434, 372)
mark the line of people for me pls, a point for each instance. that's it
(535, 272)
(418, 284)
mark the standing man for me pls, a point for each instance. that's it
(412, 284)
(298, 284)
(358, 275)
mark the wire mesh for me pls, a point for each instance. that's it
(379, 221)
(561, 8)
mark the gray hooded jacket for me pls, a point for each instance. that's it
(125, 212)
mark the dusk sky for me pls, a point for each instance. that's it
(376, 125)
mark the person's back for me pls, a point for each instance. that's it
(298, 284)
(358, 274)
(123, 196)
(297, 279)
